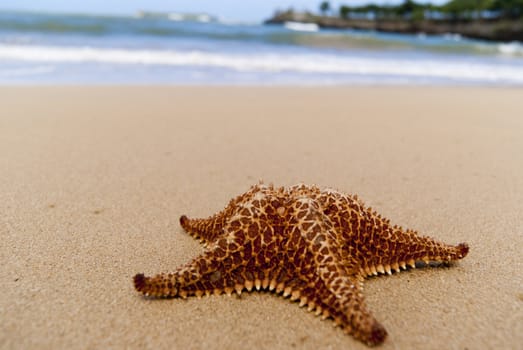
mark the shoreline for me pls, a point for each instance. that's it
(134, 85)
(94, 180)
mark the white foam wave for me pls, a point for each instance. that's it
(512, 49)
(302, 27)
(267, 62)
(452, 36)
(203, 18)
(175, 17)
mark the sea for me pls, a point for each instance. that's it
(180, 49)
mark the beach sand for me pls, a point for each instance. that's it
(94, 179)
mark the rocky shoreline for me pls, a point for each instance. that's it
(492, 30)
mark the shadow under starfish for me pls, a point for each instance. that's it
(310, 244)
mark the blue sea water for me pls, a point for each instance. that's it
(37, 48)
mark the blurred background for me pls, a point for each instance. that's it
(260, 42)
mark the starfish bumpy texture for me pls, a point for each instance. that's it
(310, 244)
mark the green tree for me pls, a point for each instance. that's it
(460, 9)
(455, 9)
(508, 8)
(325, 7)
(345, 11)
(411, 9)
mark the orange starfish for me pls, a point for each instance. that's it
(314, 245)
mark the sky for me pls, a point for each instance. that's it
(238, 10)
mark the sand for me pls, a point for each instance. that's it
(94, 179)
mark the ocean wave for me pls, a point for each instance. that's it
(49, 24)
(176, 27)
(273, 62)
(203, 28)
(302, 27)
(511, 49)
(452, 36)
(26, 71)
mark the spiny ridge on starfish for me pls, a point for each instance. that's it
(310, 244)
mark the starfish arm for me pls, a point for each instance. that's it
(394, 247)
(235, 260)
(217, 270)
(357, 320)
(347, 308)
(338, 274)
(415, 247)
(207, 230)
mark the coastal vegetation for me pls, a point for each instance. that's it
(499, 20)
(452, 10)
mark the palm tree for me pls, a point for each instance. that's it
(325, 7)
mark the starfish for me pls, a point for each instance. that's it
(310, 244)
